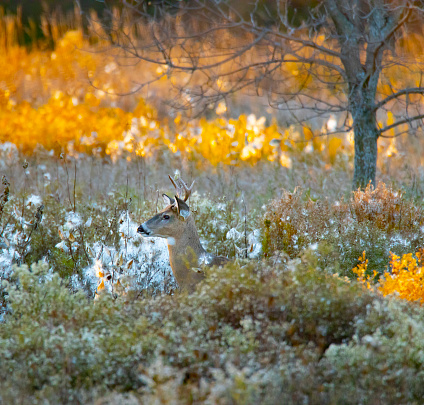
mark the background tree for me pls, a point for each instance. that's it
(347, 59)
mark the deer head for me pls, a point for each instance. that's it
(171, 221)
(176, 224)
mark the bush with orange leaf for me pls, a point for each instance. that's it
(405, 277)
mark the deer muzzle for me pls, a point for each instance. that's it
(144, 230)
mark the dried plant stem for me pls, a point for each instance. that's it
(245, 227)
(23, 248)
(63, 156)
(75, 185)
(4, 198)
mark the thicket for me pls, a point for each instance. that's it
(264, 332)
(377, 220)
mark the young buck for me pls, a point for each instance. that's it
(176, 224)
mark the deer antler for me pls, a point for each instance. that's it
(181, 187)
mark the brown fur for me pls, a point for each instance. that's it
(186, 254)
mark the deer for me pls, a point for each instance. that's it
(176, 224)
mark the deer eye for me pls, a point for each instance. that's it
(166, 216)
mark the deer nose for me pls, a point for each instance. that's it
(144, 231)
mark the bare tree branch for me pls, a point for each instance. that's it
(417, 90)
(407, 120)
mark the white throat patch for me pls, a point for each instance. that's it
(171, 241)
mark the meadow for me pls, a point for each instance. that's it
(321, 304)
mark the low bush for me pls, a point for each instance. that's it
(403, 278)
(263, 332)
(97, 247)
(378, 221)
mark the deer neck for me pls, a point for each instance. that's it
(184, 253)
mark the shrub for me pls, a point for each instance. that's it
(377, 220)
(252, 332)
(404, 276)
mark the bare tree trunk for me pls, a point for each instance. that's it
(362, 77)
(365, 131)
(365, 135)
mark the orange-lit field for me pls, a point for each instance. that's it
(84, 160)
(67, 100)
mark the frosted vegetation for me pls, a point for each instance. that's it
(90, 312)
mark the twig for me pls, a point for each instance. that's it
(63, 156)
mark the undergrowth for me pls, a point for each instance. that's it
(252, 332)
(378, 220)
(93, 245)
(279, 327)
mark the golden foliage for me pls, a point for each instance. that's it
(76, 125)
(361, 272)
(404, 276)
(66, 100)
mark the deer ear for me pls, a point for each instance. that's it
(168, 200)
(182, 208)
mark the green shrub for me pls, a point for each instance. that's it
(264, 332)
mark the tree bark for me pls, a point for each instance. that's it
(363, 76)
(365, 136)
